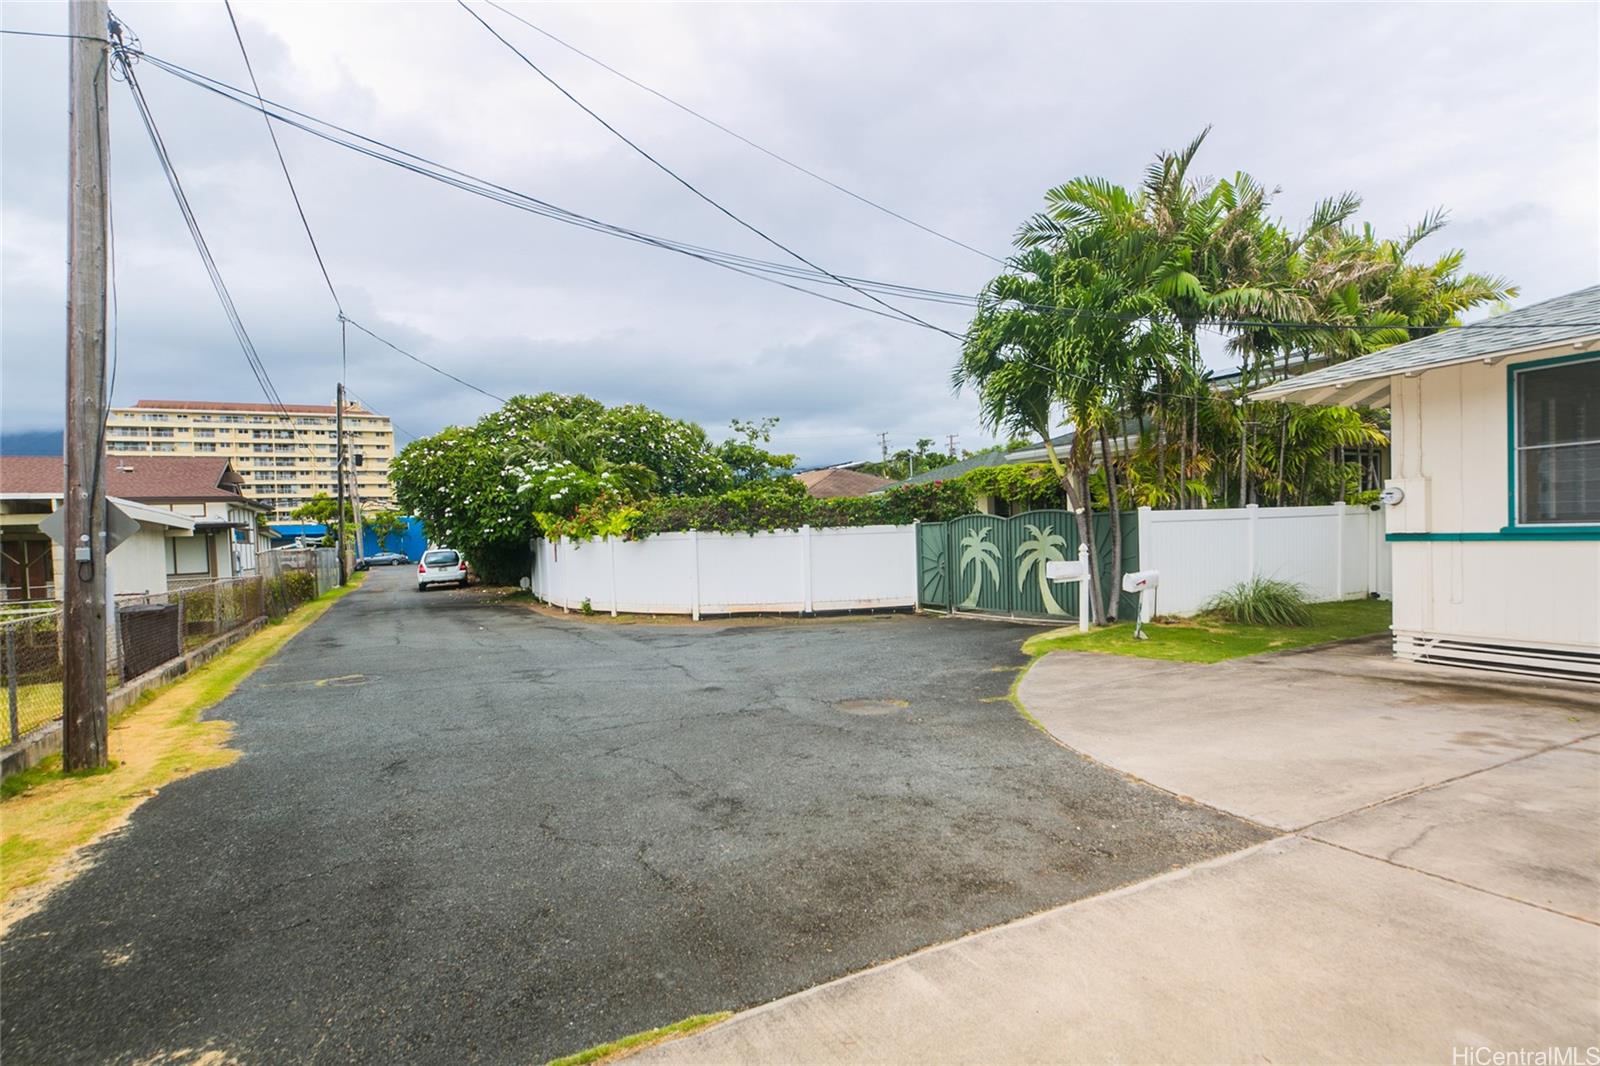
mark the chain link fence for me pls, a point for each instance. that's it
(149, 630)
(30, 657)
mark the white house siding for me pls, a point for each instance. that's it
(1450, 456)
(233, 558)
(1536, 592)
(139, 564)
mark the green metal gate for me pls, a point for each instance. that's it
(997, 565)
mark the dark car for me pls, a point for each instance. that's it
(382, 559)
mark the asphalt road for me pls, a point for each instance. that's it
(462, 831)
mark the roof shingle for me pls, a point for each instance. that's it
(162, 478)
(829, 484)
(1574, 316)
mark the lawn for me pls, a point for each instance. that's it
(1200, 640)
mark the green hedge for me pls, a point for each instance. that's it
(780, 503)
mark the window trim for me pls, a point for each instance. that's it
(1513, 525)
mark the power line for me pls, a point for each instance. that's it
(675, 176)
(424, 362)
(466, 182)
(56, 36)
(395, 425)
(276, 147)
(749, 266)
(252, 357)
(469, 183)
(305, 223)
(742, 138)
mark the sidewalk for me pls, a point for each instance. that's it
(1438, 886)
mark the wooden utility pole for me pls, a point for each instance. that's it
(338, 512)
(83, 586)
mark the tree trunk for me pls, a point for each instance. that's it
(1283, 446)
(1115, 509)
(1097, 601)
(1244, 447)
(1161, 433)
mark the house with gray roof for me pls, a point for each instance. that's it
(1493, 505)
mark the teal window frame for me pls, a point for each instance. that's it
(1541, 530)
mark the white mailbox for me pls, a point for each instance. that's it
(1143, 583)
(1065, 571)
(1140, 580)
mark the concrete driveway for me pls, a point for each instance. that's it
(461, 831)
(1435, 888)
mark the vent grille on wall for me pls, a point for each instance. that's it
(1568, 664)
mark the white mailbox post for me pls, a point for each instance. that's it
(1064, 572)
(1145, 583)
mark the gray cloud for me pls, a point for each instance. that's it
(959, 116)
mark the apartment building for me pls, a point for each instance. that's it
(284, 456)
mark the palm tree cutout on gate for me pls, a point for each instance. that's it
(977, 552)
(1042, 547)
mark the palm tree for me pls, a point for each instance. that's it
(980, 554)
(1042, 547)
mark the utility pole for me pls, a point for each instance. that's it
(338, 476)
(883, 444)
(83, 588)
(951, 439)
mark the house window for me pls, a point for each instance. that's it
(1557, 411)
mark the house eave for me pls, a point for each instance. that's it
(1373, 387)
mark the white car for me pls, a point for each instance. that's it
(441, 566)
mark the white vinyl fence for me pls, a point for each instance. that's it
(803, 570)
(1336, 552)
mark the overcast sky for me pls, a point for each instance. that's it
(957, 116)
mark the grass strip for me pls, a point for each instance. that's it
(48, 815)
(617, 1048)
(1203, 640)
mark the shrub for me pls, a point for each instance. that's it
(1261, 601)
(782, 503)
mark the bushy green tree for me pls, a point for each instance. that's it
(487, 489)
(746, 454)
(385, 524)
(321, 509)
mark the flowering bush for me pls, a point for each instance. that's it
(487, 489)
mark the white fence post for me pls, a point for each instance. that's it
(1338, 550)
(805, 568)
(916, 563)
(1375, 544)
(694, 573)
(611, 542)
(1252, 512)
(1146, 556)
(1083, 587)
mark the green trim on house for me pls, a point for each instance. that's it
(1511, 456)
(1524, 533)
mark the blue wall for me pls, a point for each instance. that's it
(410, 543)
